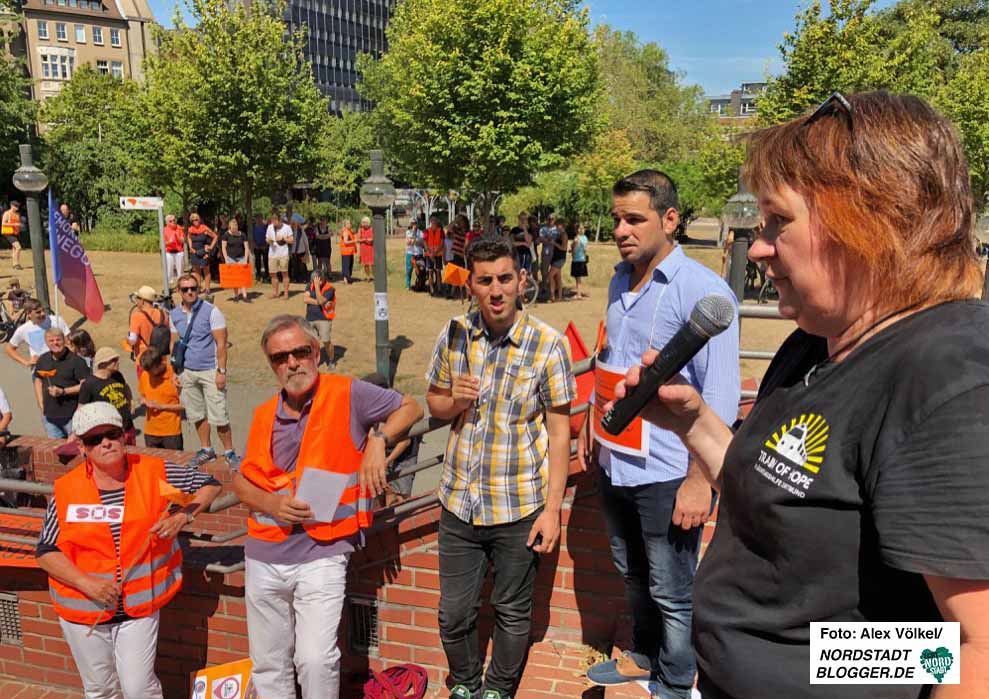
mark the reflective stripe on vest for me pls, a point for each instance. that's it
(150, 568)
(326, 445)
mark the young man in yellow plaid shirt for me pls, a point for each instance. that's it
(504, 378)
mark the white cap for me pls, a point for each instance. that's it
(92, 415)
(146, 293)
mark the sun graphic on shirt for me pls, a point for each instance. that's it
(802, 441)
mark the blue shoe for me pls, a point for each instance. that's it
(202, 456)
(232, 459)
(460, 692)
(628, 667)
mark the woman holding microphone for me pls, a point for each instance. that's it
(108, 545)
(856, 489)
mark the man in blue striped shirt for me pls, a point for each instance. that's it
(655, 500)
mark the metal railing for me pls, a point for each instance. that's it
(384, 517)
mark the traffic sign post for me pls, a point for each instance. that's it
(149, 204)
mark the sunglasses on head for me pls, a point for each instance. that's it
(299, 353)
(92, 440)
(188, 289)
(835, 104)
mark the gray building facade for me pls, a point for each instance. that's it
(337, 31)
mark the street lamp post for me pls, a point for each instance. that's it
(378, 194)
(741, 215)
(30, 180)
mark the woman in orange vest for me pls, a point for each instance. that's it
(348, 248)
(11, 230)
(108, 545)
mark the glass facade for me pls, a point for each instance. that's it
(336, 32)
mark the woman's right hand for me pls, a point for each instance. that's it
(677, 404)
(103, 592)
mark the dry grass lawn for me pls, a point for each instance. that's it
(416, 319)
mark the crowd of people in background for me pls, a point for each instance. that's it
(540, 249)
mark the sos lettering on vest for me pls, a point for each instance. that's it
(94, 514)
(793, 455)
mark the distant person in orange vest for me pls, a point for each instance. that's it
(329, 433)
(321, 309)
(348, 248)
(434, 254)
(11, 230)
(174, 249)
(109, 575)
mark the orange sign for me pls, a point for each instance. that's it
(235, 276)
(634, 439)
(227, 681)
(455, 274)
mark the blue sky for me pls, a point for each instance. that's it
(717, 44)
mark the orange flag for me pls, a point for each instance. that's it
(173, 494)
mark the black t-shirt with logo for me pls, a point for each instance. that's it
(64, 372)
(112, 390)
(842, 488)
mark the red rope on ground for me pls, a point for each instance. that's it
(398, 682)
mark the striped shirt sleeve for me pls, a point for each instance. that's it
(49, 531)
(186, 478)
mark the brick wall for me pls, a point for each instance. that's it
(579, 610)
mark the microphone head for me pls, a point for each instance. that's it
(712, 315)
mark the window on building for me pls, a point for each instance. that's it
(61, 3)
(102, 67)
(73, 3)
(98, 36)
(42, 29)
(748, 108)
(60, 32)
(117, 69)
(80, 33)
(115, 38)
(65, 67)
(46, 72)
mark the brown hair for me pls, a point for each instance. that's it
(888, 183)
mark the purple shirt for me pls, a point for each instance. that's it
(369, 404)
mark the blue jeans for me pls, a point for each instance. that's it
(57, 429)
(657, 560)
(408, 271)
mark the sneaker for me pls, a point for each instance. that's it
(232, 459)
(202, 456)
(460, 692)
(628, 667)
(493, 694)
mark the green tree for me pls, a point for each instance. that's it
(89, 138)
(611, 158)
(665, 121)
(344, 146)
(231, 105)
(965, 100)
(17, 111)
(963, 23)
(851, 50)
(480, 94)
(718, 162)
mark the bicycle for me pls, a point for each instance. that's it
(9, 323)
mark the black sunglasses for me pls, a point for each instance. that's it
(299, 353)
(188, 289)
(92, 440)
(832, 105)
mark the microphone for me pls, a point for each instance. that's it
(710, 316)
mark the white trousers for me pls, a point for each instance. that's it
(174, 262)
(293, 614)
(116, 661)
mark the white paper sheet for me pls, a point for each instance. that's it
(321, 490)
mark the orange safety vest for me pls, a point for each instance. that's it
(434, 241)
(150, 568)
(327, 446)
(348, 247)
(11, 223)
(330, 309)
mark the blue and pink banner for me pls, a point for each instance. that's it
(70, 266)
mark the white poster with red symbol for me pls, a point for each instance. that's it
(227, 687)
